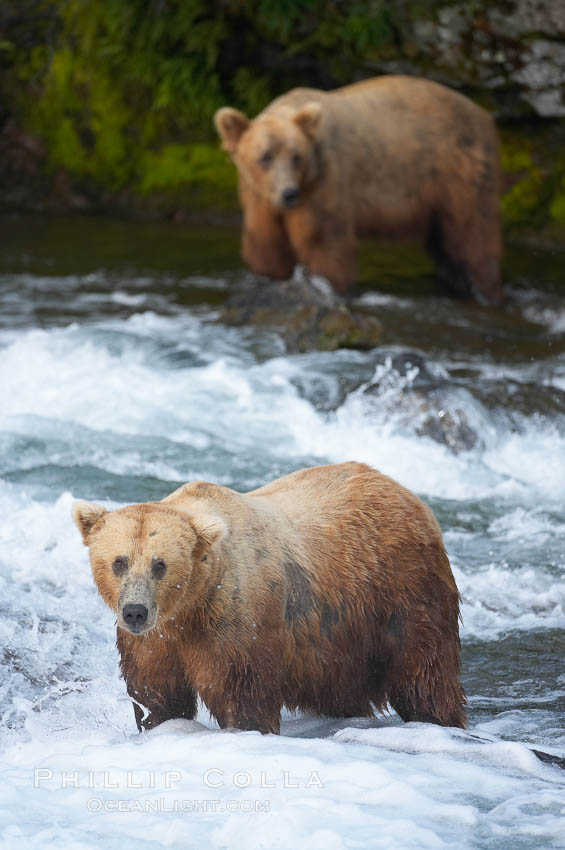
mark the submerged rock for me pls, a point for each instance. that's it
(420, 397)
(305, 311)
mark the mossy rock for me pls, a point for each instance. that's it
(533, 165)
(307, 314)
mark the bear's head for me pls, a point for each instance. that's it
(148, 560)
(279, 155)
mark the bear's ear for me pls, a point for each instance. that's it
(230, 124)
(308, 119)
(86, 515)
(210, 528)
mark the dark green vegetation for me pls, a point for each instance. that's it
(107, 104)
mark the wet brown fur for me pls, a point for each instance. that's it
(389, 157)
(327, 591)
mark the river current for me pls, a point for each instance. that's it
(118, 383)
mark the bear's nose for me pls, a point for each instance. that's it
(135, 616)
(290, 197)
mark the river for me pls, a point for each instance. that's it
(118, 383)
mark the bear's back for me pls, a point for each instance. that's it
(389, 97)
(338, 493)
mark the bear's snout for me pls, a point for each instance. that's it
(135, 617)
(290, 197)
(137, 605)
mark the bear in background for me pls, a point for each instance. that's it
(388, 157)
(327, 591)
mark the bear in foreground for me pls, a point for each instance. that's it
(327, 591)
(388, 157)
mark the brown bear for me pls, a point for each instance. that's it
(327, 591)
(388, 157)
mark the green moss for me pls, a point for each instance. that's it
(91, 130)
(108, 122)
(177, 165)
(83, 119)
(516, 155)
(557, 206)
(252, 92)
(525, 197)
(53, 115)
(66, 149)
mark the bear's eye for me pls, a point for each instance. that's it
(296, 160)
(158, 568)
(266, 159)
(120, 565)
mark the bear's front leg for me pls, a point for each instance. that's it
(323, 242)
(169, 696)
(336, 262)
(151, 707)
(242, 717)
(243, 699)
(267, 255)
(265, 245)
